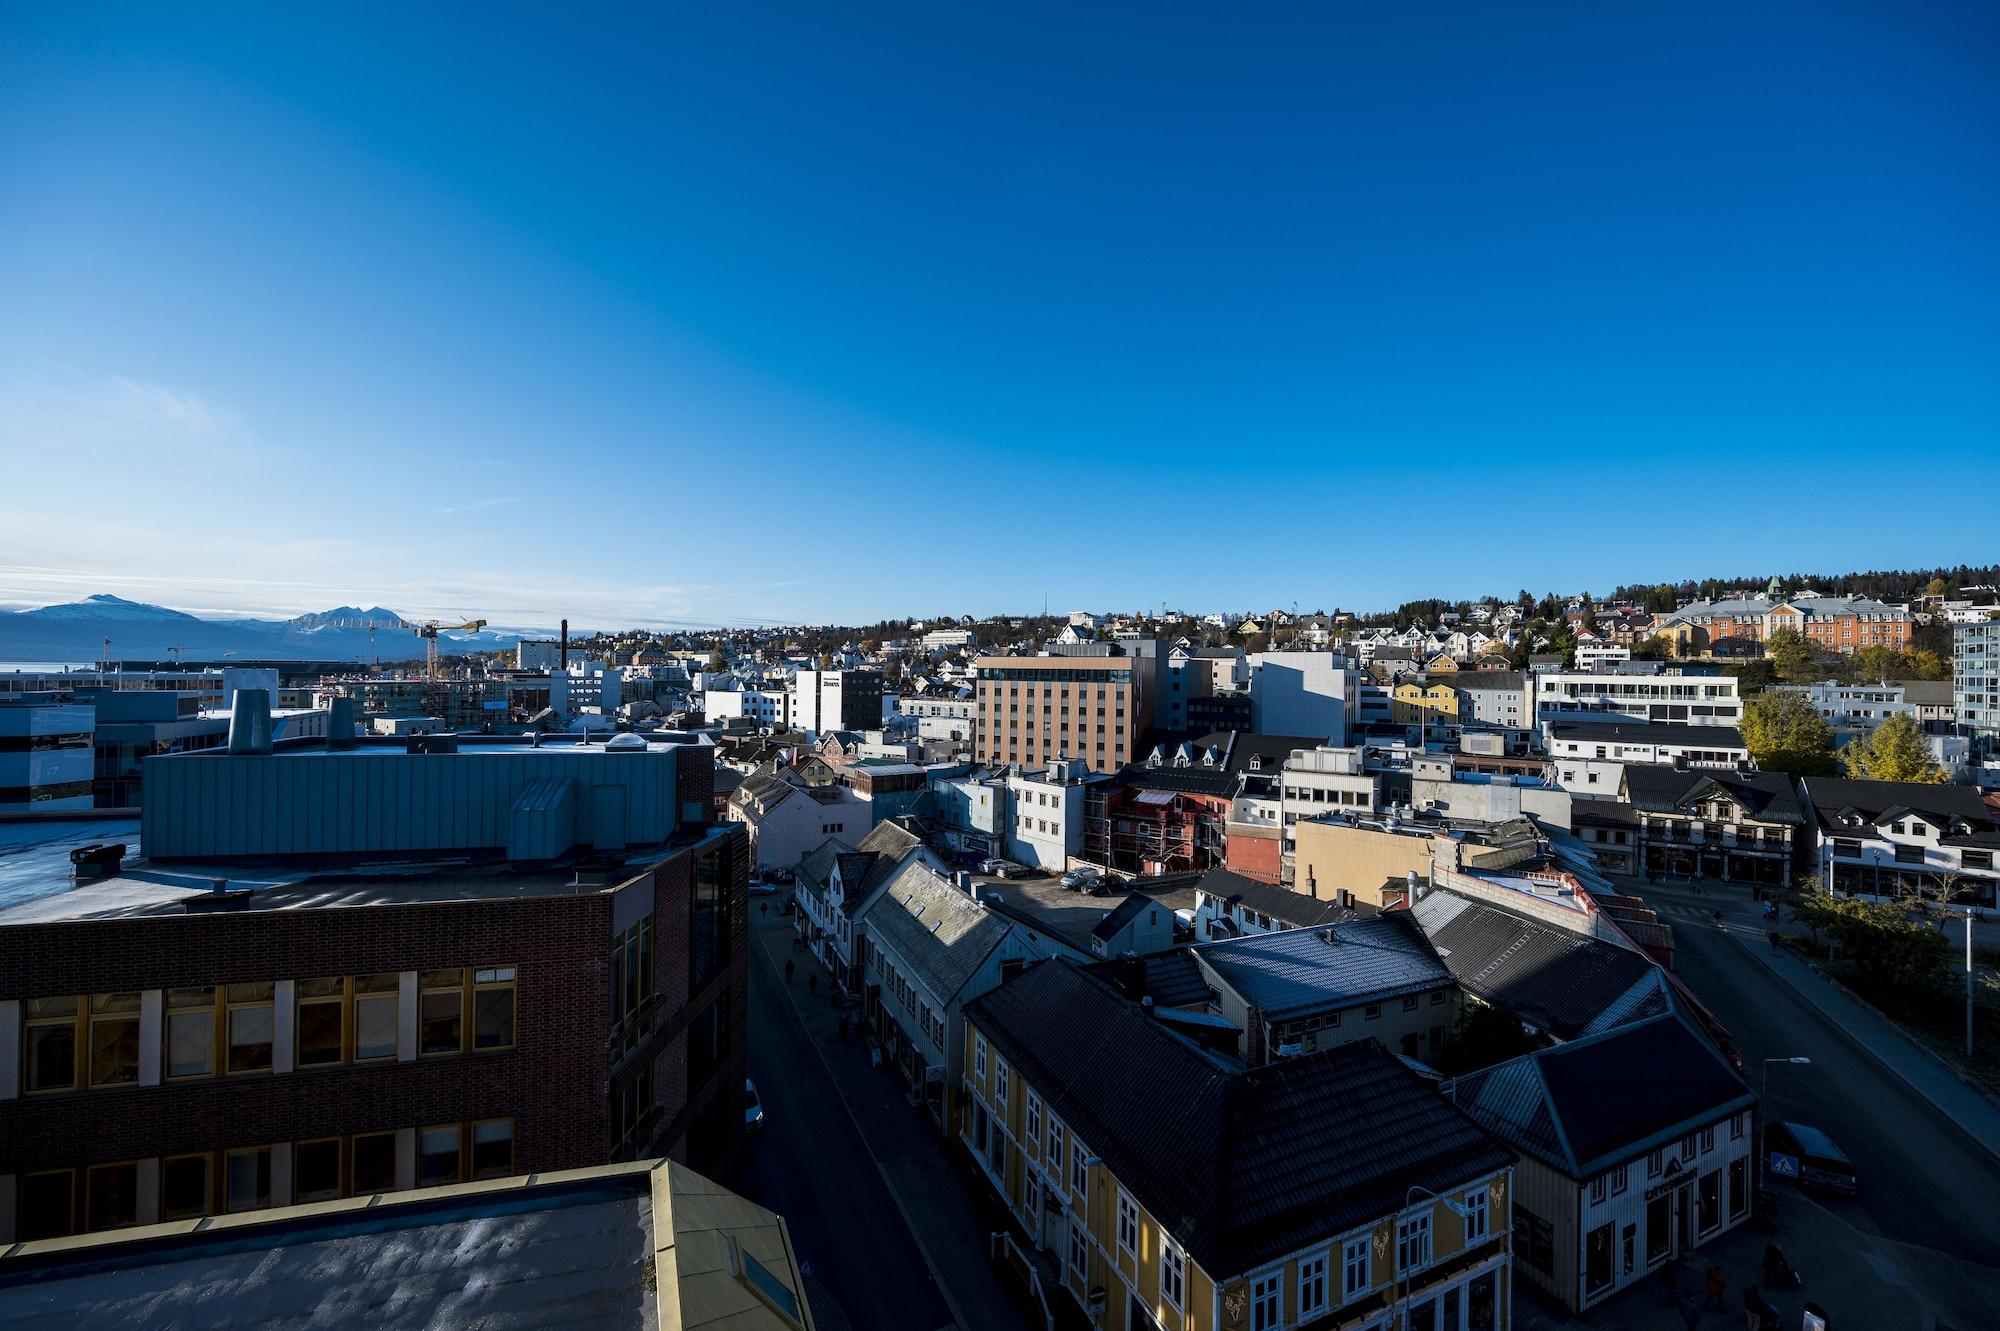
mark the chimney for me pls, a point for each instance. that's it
(250, 722)
(340, 724)
(563, 652)
(1410, 888)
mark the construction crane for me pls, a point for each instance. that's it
(429, 630)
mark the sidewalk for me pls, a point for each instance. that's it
(944, 1213)
(1873, 1289)
(1971, 1109)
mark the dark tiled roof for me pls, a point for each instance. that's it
(1242, 1167)
(1126, 911)
(1586, 1105)
(1562, 982)
(1182, 780)
(1768, 797)
(1280, 903)
(1872, 799)
(1502, 680)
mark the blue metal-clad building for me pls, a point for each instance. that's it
(507, 799)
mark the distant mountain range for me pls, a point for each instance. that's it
(76, 631)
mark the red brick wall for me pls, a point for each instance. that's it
(552, 1083)
(1261, 858)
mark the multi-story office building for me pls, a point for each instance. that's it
(314, 970)
(1304, 693)
(1671, 696)
(1975, 679)
(1035, 710)
(46, 756)
(824, 700)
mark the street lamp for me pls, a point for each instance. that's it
(1763, 1103)
(1460, 1209)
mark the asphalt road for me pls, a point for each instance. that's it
(810, 1165)
(1920, 1181)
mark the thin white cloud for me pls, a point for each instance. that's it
(165, 406)
(480, 505)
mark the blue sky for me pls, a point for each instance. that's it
(753, 313)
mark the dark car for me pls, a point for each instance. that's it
(1808, 1157)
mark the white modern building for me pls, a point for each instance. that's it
(1975, 679)
(1304, 693)
(1590, 757)
(769, 707)
(1315, 782)
(1045, 826)
(1671, 697)
(1595, 656)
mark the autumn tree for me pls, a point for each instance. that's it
(1894, 751)
(1786, 733)
(1789, 655)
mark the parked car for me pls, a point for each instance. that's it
(753, 1108)
(759, 888)
(1083, 878)
(999, 868)
(1808, 1157)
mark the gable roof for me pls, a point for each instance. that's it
(1767, 797)
(1121, 915)
(1295, 909)
(1563, 982)
(1306, 970)
(1587, 1105)
(1242, 1167)
(1872, 800)
(937, 933)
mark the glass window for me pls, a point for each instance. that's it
(322, 1022)
(191, 1033)
(1312, 1286)
(1079, 1171)
(493, 1007)
(51, 1045)
(1128, 1225)
(1173, 1273)
(250, 1025)
(1267, 1302)
(48, 1204)
(441, 1012)
(1475, 1217)
(493, 1148)
(247, 1178)
(1355, 1277)
(1413, 1243)
(114, 1039)
(316, 1170)
(374, 1163)
(375, 1016)
(111, 1199)
(437, 1156)
(186, 1184)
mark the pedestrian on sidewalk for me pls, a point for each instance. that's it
(788, 970)
(812, 983)
(1717, 1286)
(1776, 937)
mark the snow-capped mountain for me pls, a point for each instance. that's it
(76, 631)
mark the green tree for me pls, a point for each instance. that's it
(1655, 648)
(1894, 751)
(1785, 733)
(1936, 587)
(717, 663)
(1878, 937)
(1878, 663)
(1789, 655)
(1924, 664)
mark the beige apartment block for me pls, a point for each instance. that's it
(1036, 709)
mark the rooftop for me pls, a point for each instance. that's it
(1301, 970)
(1295, 909)
(38, 886)
(650, 1245)
(1585, 1105)
(1562, 982)
(1648, 732)
(1241, 1166)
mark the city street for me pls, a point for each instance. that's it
(1925, 1191)
(811, 1166)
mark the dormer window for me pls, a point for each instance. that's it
(1256, 763)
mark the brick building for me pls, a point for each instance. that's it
(535, 988)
